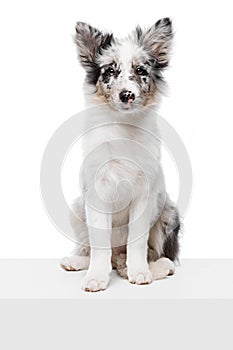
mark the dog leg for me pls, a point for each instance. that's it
(136, 261)
(75, 263)
(99, 229)
(162, 268)
(120, 265)
(78, 260)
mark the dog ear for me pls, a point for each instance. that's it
(157, 41)
(90, 42)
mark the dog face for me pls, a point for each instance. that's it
(126, 73)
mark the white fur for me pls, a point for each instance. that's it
(105, 182)
(162, 268)
(75, 263)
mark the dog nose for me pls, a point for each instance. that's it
(127, 96)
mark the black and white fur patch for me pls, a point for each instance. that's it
(133, 64)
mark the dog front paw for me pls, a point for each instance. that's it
(95, 282)
(140, 276)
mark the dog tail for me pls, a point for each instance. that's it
(170, 225)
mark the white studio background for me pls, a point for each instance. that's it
(41, 87)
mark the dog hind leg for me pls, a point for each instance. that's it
(163, 245)
(80, 256)
(75, 263)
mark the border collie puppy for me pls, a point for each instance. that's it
(124, 218)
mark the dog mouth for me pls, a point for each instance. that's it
(127, 105)
(132, 104)
(122, 107)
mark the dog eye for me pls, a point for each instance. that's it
(140, 70)
(110, 71)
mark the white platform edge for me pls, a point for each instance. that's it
(44, 279)
(42, 307)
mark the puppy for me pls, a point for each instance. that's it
(124, 218)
